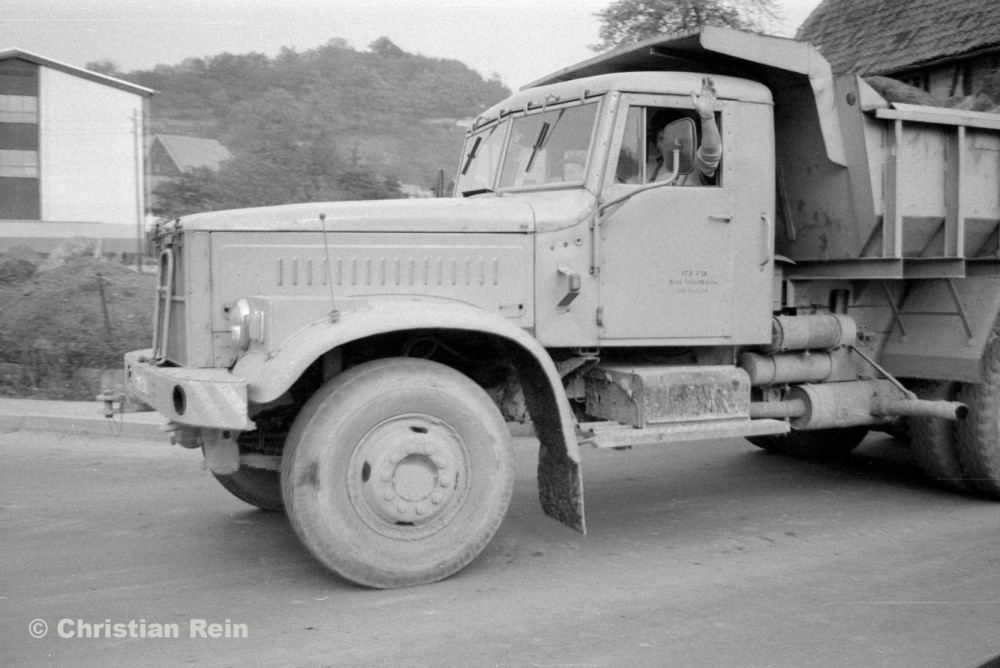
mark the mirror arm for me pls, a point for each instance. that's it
(659, 184)
(595, 226)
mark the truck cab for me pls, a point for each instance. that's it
(685, 266)
(358, 364)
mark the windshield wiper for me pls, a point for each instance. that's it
(472, 155)
(476, 191)
(544, 133)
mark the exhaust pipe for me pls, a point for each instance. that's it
(946, 410)
(850, 404)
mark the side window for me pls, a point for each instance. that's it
(632, 157)
(641, 158)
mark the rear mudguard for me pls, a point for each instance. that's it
(271, 368)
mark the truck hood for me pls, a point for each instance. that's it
(479, 214)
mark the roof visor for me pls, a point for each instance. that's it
(776, 62)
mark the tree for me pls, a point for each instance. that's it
(626, 22)
(192, 192)
(107, 67)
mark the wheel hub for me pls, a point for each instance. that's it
(406, 474)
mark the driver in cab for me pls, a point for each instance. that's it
(660, 167)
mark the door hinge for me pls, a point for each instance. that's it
(600, 316)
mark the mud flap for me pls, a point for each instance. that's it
(560, 485)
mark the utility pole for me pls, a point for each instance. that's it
(140, 203)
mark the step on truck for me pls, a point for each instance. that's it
(358, 364)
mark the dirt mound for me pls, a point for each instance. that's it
(57, 326)
(986, 99)
(897, 91)
(18, 264)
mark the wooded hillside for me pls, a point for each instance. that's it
(354, 116)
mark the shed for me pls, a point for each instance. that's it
(947, 48)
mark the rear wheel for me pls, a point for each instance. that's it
(979, 434)
(933, 441)
(817, 444)
(397, 472)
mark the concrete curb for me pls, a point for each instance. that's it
(77, 417)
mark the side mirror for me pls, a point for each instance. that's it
(682, 136)
(438, 188)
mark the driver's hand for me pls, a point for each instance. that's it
(704, 102)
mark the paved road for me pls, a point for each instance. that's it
(710, 554)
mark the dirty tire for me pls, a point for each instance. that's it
(933, 441)
(397, 472)
(258, 487)
(979, 434)
(818, 444)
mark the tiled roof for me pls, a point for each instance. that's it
(191, 152)
(883, 36)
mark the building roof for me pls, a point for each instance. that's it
(76, 71)
(886, 36)
(191, 152)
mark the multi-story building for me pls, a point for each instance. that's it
(71, 154)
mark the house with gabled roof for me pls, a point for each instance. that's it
(946, 47)
(71, 154)
(169, 156)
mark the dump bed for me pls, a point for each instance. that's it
(917, 197)
(865, 189)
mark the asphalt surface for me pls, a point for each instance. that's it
(708, 554)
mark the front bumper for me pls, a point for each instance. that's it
(212, 398)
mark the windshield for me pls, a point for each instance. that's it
(550, 147)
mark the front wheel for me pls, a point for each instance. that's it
(397, 472)
(258, 487)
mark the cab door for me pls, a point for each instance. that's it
(682, 265)
(666, 267)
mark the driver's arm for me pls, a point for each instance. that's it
(710, 150)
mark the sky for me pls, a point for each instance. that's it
(519, 40)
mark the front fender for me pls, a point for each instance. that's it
(269, 372)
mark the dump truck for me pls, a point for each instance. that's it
(359, 364)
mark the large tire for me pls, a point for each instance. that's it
(818, 444)
(979, 433)
(397, 472)
(933, 441)
(258, 487)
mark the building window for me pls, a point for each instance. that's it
(18, 164)
(18, 109)
(19, 174)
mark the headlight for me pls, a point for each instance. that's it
(239, 324)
